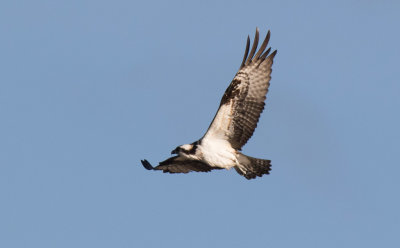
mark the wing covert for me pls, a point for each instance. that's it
(243, 101)
(177, 164)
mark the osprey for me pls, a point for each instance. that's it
(233, 124)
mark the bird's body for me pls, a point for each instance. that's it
(233, 124)
(216, 153)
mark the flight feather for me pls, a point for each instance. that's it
(243, 101)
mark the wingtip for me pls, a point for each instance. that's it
(273, 54)
(146, 164)
(253, 48)
(268, 36)
(246, 52)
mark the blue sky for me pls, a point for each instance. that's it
(88, 88)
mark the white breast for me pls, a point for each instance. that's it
(217, 153)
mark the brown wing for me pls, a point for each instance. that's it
(178, 164)
(243, 101)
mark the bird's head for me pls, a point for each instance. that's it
(183, 149)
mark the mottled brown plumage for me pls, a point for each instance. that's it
(177, 165)
(245, 96)
(234, 123)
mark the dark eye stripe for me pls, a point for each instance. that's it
(194, 148)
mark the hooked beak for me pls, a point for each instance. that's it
(176, 151)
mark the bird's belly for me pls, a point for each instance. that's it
(218, 154)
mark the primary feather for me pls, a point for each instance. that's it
(233, 124)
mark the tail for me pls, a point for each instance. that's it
(250, 167)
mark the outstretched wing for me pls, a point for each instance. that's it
(178, 164)
(243, 101)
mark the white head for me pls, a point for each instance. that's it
(184, 149)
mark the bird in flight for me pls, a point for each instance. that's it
(233, 124)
